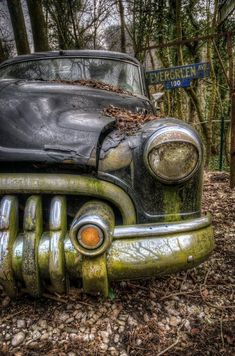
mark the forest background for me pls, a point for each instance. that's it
(135, 26)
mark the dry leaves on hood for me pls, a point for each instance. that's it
(96, 85)
(128, 122)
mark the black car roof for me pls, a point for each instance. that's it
(71, 53)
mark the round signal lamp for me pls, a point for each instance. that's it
(90, 237)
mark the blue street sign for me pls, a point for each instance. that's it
(178, 77)
(178, 83)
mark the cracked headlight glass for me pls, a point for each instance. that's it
(172, 154)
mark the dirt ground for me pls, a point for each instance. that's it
(189, 313)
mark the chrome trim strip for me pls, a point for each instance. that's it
(160, 229)
(69, 184)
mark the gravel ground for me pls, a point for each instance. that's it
(189, 313)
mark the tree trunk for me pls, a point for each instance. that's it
(38, 25)
(196, 102)
(211, 102)
(77, 41)
(122, 25)
(18, 24)
(180, 60)
(2, 52)
(178, 27)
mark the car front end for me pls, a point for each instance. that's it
(120, 206)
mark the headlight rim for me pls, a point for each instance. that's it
(192, 139)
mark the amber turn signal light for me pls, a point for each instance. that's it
(90, 237)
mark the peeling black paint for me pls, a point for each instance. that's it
(48, 122)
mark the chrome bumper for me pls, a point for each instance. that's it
(144, 251)
(157, 249)
(33, 259)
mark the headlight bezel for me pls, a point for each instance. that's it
(171, 134)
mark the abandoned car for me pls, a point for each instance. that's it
(94, 186)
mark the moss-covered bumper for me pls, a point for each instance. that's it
(143, 251)
(158, 249)
(33, 258)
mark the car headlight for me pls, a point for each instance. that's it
(173, 154)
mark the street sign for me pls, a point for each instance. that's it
(178, 77)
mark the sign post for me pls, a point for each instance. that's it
(178, 77)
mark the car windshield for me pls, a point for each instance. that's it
(124, 75)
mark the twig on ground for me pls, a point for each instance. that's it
(205, 279)
(85, 303)
(178, 337)
(220, 307)
(169, 347)
(138, 286)
(12, 315)
(221, 329)
(177, 294)
(184, 280)
(53, 297)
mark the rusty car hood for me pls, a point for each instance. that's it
(51, 122)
